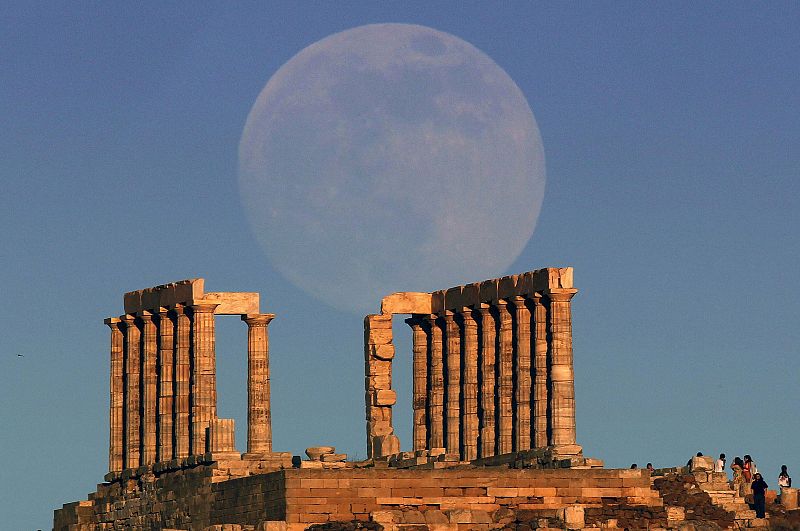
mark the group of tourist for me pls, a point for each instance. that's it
(746, 473)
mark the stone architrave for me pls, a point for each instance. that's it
(436, 384)
(132, 419)
(452, 383)
(540, 397)
(259, 417)
(562, 379)
(117, 398)
(505, 379)
(522, 354)
(166, 384)
(487, 424)
(420, 381)
(204, 375)
(149, 387)
(182, 406)
(469, 385)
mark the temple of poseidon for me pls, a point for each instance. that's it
(493, 445)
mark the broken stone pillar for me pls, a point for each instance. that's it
(166, 384)
(562, 379)
(182, 382)
(453, 383)
(203, 396)
(539, 406)
(117, 398)
(149, 386)
(379, 396)
(487, 423)
(469, 386)
(221, 439)
(522, 350)
(505, 378)
(132, 357)
(420, 382)
(436, 384)
(259, 416)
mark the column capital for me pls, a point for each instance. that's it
(448, 315)
(145, 315)
(162, 312)
(128, 319)
(517, 301)
(204, 307)
(258, 319)
(560, 294)
(179, 309)
(112, 322)
(415, 320)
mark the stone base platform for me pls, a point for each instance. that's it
(459, 497)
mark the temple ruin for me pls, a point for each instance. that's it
(493, 447)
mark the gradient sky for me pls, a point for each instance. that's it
(671, 139)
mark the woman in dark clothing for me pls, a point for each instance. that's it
(759, 487)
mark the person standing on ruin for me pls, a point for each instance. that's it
(719, 464)
(650, 467)
(784, 481)
(747, 468)
(759, 488)
(738, 477)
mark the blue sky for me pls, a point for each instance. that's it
(671, 138)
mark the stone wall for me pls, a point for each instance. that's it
(206, 495)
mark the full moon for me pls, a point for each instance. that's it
(390, 157)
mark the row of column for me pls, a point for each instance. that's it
(495, 378)
(163, 394)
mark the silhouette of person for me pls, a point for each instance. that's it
(759, 488)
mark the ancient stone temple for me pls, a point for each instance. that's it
(163, 400)
(492, 366)
(493, 416)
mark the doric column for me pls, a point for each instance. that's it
(487, 424)
(522, 394)
(469, 386)
(203, 398)
(420, 381)
(562, 374)
(132, 369)
(435, 384)
(539, 323)
(259, 417)
(166, 385)
(182, 387)
(505, 378)
(453, 383)
(149, 387)
(117, 398)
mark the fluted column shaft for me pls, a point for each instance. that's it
(259, 416)
(435, 385)
(203, 396)
(487, 424)
(132, 377)
(182, 388)
(469, 385)
(522, 355)
(420, 382)
(505, 379)
(166, 385)
(116, 399)
(539, 323)
(453, 383)
(562, 379)
(149, 387)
